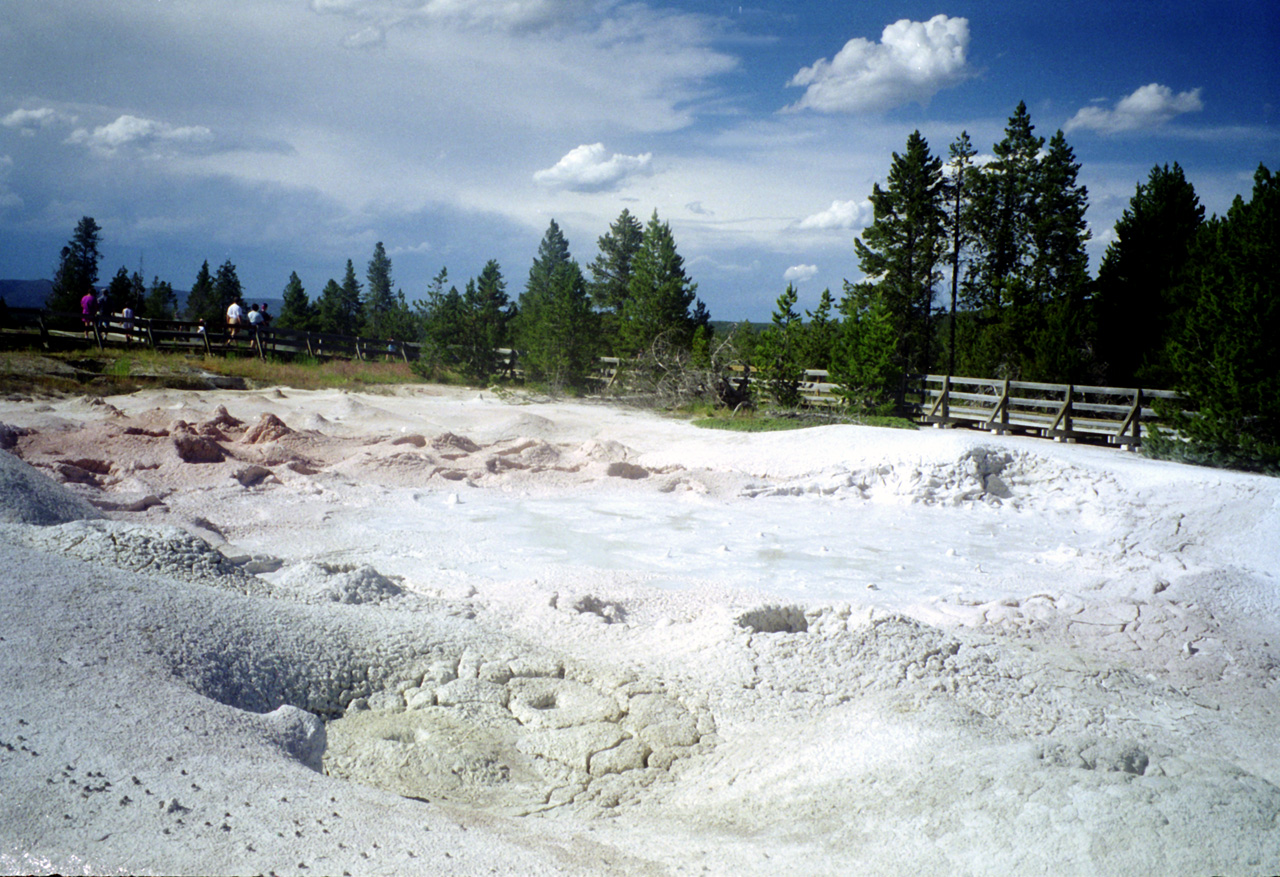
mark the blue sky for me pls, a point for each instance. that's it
(292, 135)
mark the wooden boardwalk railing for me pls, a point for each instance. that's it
(63, 328)
(1063, 412)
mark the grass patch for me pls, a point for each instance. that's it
(774, 422)
(110, 372)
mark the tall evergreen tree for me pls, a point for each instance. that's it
(864, 363)
(487, 314)
(1137, 297)
(161, 302)
(1060, 268)
(1225, 352)
(77, 271)
(659, 294)
(1004, 205)
(226, 287)
(137, 294)
(118, 292)
(379, 303)
(297, 312)
(958, 201)
(328, 309)
(442, 315)
(339, 306)
(553, 252)
(903, 247)
(557, 333)
(611, 270)
(202, 300)
(1025, 294)
(558, 339)
(780, 349)
(820, 333)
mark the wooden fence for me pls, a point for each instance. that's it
(1063, 412)
(66, 329)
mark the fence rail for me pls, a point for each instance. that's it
(68, 329)
(1063, 412)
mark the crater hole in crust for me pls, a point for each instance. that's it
(774, 619)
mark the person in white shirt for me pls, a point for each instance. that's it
(235, 316)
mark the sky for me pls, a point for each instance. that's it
(293, 135)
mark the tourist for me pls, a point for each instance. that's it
(235, 316)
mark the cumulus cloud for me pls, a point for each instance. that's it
(588, 168)
(29, 121)
(133, 131)
(800, 273)
(913, 61)
(841, 214)
(1148, 107)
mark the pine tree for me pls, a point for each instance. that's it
(558, 338)
(77, 271)
(864, 363)
(1225, 352)
(202, 300)
(820, 333)
(339, 306)
(442, 314)
(958, 200)
(779, 351)
(611, 271)
(329, 308)
(487, 314)
(553, 252)
(137, 294)
(379, 303)
(555, 330)
(659, 294)
(297, 312)
(161, 302)
(1137, 298)
(901, 250)
(1059, 274)
(118, 292)
(226, 287)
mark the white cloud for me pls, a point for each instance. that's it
(29, 121)
(841, 214)
(912, 62)
(1147, 108)
(496, 14)
(135, 131)
(366, 37)
(800, 273)
(588, 168)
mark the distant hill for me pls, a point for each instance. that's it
(722, 327)
(25, 293)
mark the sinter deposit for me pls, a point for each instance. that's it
(436, 632)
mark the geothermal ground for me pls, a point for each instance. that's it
(441, 632)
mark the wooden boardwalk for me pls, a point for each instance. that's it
(1062, 412)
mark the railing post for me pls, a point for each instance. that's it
(946, 400)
